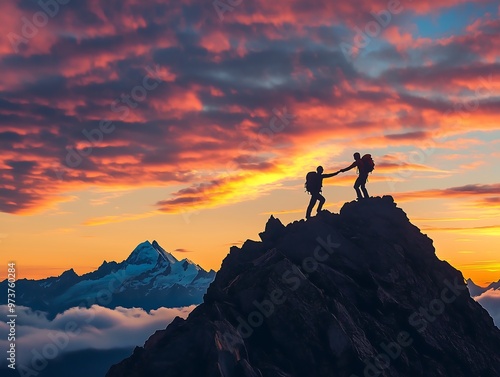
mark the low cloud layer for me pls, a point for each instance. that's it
(81, 328)
(490, 300)
(97, 327)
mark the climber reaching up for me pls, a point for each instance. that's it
(314, 184)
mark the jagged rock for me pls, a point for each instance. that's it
(274, 229)
(361, 293)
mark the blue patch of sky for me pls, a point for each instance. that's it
(452, 21)
(448, 22)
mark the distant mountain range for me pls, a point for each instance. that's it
(476, 290)
(149, 278)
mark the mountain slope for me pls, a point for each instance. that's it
(149, 278)
(356, 294)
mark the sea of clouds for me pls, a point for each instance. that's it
(104, 329)
(82, 328)
(490, 300)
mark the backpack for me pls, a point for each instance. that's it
(368, 163)
(313, 182)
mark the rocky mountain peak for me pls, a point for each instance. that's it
(360, 293)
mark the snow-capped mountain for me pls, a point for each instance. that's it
(149, 278)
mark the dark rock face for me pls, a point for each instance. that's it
(356, 294)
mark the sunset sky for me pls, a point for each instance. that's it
(204, 118)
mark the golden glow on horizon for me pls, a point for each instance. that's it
(197, 173)
(207, 232)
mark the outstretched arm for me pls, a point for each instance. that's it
(330, 175)
(353, 165)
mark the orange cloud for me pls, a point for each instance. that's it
(215, 42)
(489, 230)
(119, 218)
(485, 196)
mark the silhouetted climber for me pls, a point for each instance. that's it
(365, 166)
(314, 183)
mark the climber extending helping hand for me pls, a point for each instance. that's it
(314, 181)
(365, 166)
